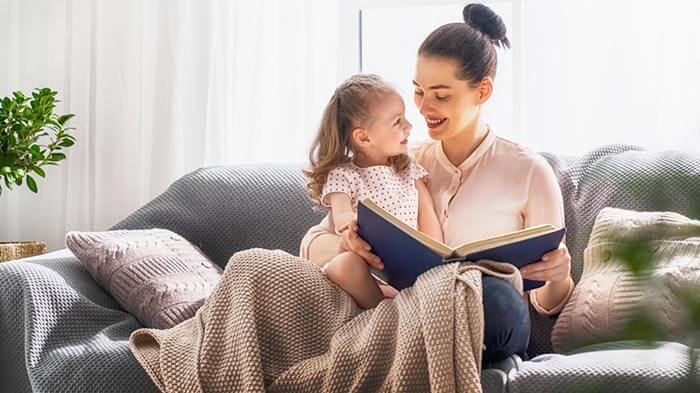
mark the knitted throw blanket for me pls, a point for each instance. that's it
(275, 323)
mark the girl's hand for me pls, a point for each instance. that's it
(555, 266)
(351, 241)
(388, 291)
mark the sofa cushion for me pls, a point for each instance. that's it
(621, 176)
(614, 367)
(606, 300)
(156, 275)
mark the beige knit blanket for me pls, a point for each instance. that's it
(275, 323)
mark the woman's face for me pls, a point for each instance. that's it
(449, 105)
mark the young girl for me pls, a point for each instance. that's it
(361, 151)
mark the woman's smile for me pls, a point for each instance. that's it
(434, 123)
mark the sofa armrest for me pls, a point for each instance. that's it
(59, 330)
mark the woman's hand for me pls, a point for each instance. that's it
(351, 241)
(555, 266)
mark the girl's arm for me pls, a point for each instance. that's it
(341, 209)
(428, 222)
(345, 221)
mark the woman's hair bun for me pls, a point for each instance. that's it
(483, 18)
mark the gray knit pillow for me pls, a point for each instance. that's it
(608, 296)
(155, 275)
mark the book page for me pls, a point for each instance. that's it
(438, 247)
(506, 238)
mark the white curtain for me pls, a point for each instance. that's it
(580, 73)
(160, 88)
(610, 71)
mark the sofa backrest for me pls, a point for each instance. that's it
(619, 176)
(225, 209)
(625, 177)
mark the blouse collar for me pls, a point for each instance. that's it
(473, 158)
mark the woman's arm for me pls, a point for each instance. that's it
(554, 269)
(545, 206)
(428, 222)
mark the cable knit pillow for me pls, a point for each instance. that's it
(155, 275)
(608, 295)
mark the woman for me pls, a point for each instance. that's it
(481, 184)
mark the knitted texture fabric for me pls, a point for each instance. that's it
(61, 332)
(617, 367)
(55, 319)
(154, 274)
(620, 176)
(608, 295)
(224, 209)
(276, 324)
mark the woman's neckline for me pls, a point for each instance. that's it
(475, 155)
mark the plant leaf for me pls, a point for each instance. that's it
(31, 184)
(64, 119)
(57, 156)
(39, 171)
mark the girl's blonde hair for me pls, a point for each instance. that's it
(349, 107)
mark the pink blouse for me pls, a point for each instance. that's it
(501, 187)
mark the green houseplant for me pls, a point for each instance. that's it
(31, 136)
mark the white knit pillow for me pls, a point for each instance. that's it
(155, 275)
(607, 295)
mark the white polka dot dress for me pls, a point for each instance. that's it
(394, 192)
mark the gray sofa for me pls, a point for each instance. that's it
(60, 331)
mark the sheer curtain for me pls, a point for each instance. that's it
(160, 88)
(580, 73)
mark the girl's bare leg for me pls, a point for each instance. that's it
(352, 274)
(323, 248)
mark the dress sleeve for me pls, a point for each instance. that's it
(545, 206)
(417, 172)
(339, 180)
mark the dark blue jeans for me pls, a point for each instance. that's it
(506, 320)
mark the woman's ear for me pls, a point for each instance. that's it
(360, 137)
(484, 90)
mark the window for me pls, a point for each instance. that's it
(580, 74)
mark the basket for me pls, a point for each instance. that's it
(16, 250)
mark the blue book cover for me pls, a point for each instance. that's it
(407, 253)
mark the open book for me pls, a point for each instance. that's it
(406, 252)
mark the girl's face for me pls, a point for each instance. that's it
(387, 134)
(449, 105)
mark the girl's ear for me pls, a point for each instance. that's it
(360, 137)
(484, 90)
